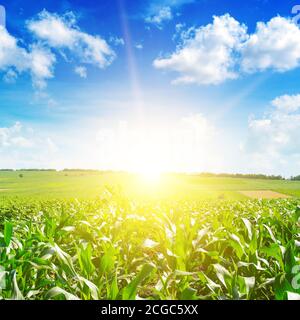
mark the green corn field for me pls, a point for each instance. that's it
(114, 248)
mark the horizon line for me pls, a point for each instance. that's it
(162, 173)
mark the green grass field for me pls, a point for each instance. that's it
(80, 235)
(85, 185)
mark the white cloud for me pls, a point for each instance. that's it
(287, 103)
(42, 98)
(51, 31)
(189, 143)
(273, 140)
(139, 46)
(12, 137)
(161, 11)
(62, 32)
(179, 27)
(274, 45)
(10, 76)
(206, 54)
(224, 50)
(42, 62)
(15, 60)
(22, 147)
(21, 142)
(81, 71)
(117, 41)
(164, 14)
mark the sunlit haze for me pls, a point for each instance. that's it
(150, 86)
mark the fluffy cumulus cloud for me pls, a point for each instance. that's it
(52, 34)
(21, 147)
(273, 139)
(275, 45)
(62, 32)
(224, 50)
(206, 55)
(37, 60)
(287, 103)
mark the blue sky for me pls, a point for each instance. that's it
(181, 85)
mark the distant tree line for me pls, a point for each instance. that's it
(94, 171)
(241, 175)
(203, 174)
(17, 170)
(296, 178)
(81, 170)
(52, 170)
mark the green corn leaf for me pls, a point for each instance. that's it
(17, 294)
(129, 292)
(91, 286)
(223, 274)
(296, 215)
(289, 258)
(85, 260)
(248, 226)
(8, 231)
(57, 291)
(114, 290)
(107, 261)
(189, 294)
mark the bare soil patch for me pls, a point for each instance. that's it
(264, 194)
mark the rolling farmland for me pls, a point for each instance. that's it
(113, 236)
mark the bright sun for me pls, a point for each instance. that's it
(149, 174)
(152, 177)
